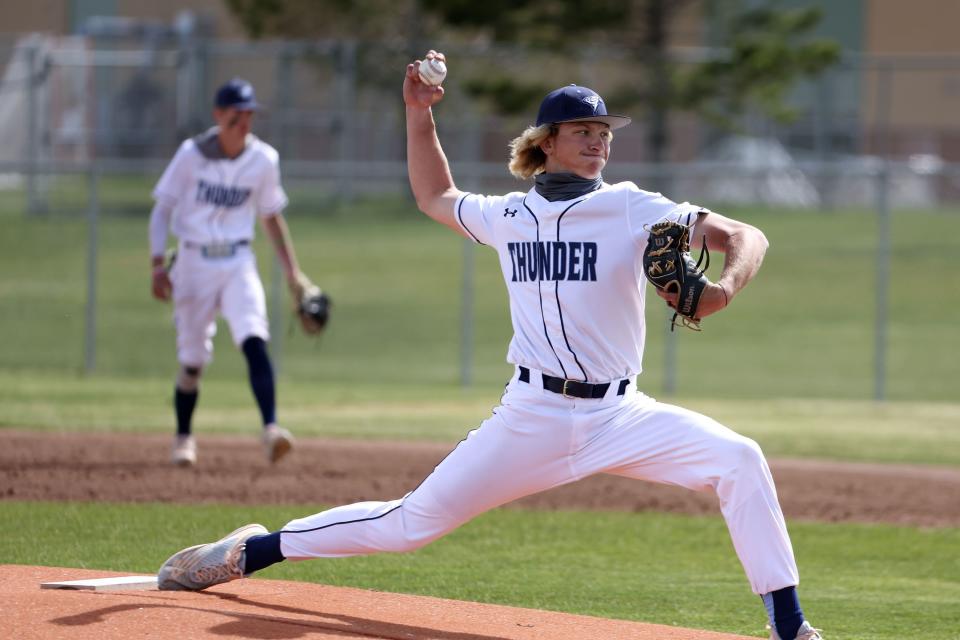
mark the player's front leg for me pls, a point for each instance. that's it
(512, 454)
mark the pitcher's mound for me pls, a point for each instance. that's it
(278, 609)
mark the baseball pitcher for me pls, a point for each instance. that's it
(575, 253)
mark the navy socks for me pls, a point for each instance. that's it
(184, 403)
(261, 377)
(783, 607)
(261, 381)
(261, 552)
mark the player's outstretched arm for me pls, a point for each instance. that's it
(743, 247)
(429, 172)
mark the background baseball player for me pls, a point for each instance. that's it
(215, 188)
(571, 253)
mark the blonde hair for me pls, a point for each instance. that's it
(527, 159)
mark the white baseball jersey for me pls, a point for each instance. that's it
(574, 275)
(215, 203)
(218, 200)
(564, 262)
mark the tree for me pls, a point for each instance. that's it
(307, 19)
(767, 50)
(765, 56)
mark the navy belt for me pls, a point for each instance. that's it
(574, 388)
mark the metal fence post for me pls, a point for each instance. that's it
(474, 183)
(466, 314)
(34, 77)
(93, 223)
(347, 91)
(276, 313)
(883, 246)
(284, 62)
(665, 179)
(883, 282)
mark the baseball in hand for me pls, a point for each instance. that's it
(432, 71)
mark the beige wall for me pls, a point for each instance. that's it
(912, 26)
(49, 16)
(924, 103)
(225, 24)
(53, 16)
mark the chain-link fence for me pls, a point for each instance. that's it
(334, 107)
(87, 129)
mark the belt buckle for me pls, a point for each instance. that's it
(564, 390)
(222, 250)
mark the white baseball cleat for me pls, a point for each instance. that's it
(277, 442)
(184, 451)
(805, 632)
(205, 565)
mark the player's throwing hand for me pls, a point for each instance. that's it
(417, 93)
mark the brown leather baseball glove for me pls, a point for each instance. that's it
(311, 304)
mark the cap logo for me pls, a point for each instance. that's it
(245, 91)
(593, 101)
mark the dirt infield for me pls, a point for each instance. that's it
(279, 609)
(134, 468)
(232, 470)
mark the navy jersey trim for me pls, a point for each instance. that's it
(460, 219)
(334, 524)
(563, 328)
(543, 316)
(382, 515)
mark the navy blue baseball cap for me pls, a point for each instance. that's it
(238, 94)
(577, 104)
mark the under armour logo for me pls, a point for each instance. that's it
(508, 212)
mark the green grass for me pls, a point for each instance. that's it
(790, 364)
(859, 582)
(804, 327)
(901, 432)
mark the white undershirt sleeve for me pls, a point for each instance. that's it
(159, 226)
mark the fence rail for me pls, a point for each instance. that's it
(880, 176)
(90, 99)
(76, 112)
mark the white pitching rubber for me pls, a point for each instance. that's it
(119, 583)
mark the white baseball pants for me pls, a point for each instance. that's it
(202, 287)
(536, 440)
